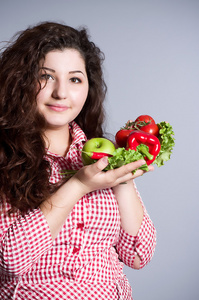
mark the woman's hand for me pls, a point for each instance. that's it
(92, 177)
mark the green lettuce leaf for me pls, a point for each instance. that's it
(121, 157)
(167, 141)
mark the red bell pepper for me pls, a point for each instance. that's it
(138, 140)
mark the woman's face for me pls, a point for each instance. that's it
(64, 87)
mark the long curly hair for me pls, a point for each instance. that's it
(24, 172)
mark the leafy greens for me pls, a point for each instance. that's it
(167, 141)
(121, 157)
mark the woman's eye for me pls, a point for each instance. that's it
(75, 80)
(46, 76)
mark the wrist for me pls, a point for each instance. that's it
(65, 197)
(124, 186)
(77, 187)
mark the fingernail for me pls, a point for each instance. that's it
(105, 159)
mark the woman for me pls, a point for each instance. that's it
(62, 239)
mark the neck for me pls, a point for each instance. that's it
(58, 140)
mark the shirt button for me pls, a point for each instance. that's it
(80, 225)
(75, 250)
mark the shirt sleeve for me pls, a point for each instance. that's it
(23, 240)
(143, 243)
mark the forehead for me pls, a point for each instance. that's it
(66, 56)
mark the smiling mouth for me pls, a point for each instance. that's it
(58, 108)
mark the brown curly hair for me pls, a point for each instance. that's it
(24, 173)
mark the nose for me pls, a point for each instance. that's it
(60, 90)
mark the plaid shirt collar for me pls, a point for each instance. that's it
(78, 138)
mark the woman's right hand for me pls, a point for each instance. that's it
(92, 177)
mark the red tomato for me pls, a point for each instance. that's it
(151, 128)
(147, 124)
(121, 137)
(144, 118)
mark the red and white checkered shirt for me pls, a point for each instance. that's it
(85, 261)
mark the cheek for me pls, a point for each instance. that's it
(40, 101)
(80, 96)
(41, 96)
(85, 92)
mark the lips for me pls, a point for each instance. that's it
(58, 108)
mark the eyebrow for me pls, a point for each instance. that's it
(76, 71)
(49, 69)
(71, 72)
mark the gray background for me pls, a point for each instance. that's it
(151, 67)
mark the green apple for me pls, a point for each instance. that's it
(101, 145)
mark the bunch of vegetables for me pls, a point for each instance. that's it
(139, 139)
(158, 137)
